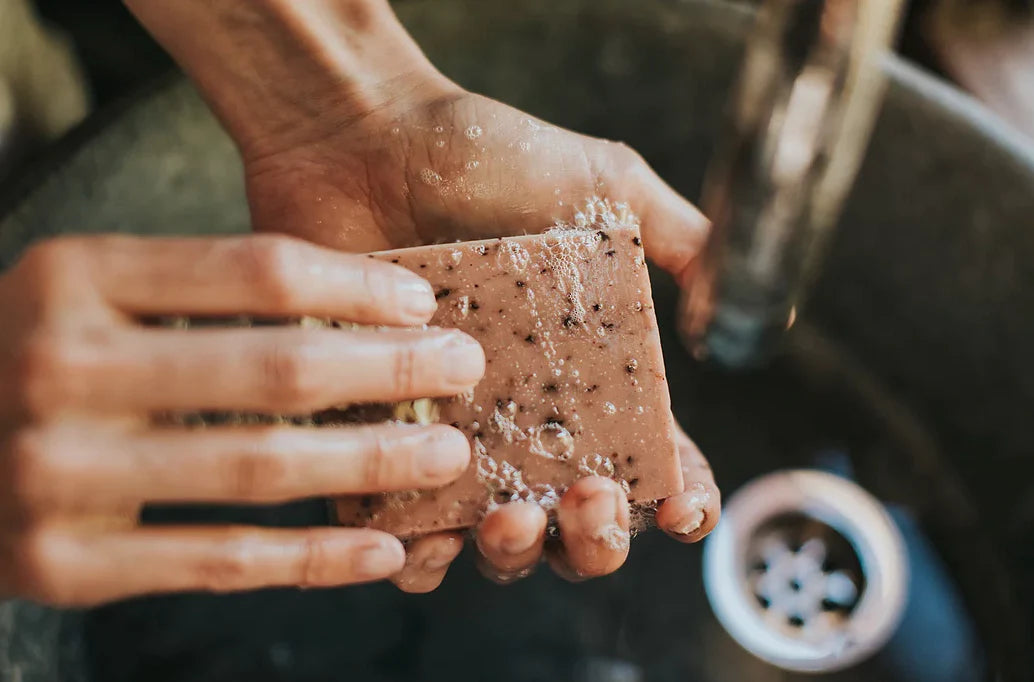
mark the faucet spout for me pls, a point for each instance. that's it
(797, 128)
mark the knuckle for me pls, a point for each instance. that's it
(292, 380)
(405, 367)
(29, 466)
(271, 262)
(379, 470)
(313, 565)
(229, 569)
(258, 474)
(39, 567)
(46, 371)
(51, 268)
(54, 256)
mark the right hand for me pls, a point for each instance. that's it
(81, 379)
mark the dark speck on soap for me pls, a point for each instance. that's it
(442, 293)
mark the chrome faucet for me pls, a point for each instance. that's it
(799, 122)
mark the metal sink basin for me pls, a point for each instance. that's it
(911, 374)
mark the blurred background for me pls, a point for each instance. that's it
(60, 59)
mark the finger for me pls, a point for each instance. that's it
(673, 229)
(260, 275)
(286, 370)
(427, 561)
(73, 570)
(594, 521)
(510, 540)
(247, 464)
(691, 515)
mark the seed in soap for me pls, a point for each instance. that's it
(632, 366)
(442, 293)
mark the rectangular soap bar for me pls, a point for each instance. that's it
(574, 384)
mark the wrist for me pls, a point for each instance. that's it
(281, 74)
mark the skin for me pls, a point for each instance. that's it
(352, 141)
(80, 453)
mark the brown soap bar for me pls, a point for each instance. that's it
(575, 382)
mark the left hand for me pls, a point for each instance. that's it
(351, 139)
(462, 166)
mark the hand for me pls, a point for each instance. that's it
(455, 167)
(351, 139)
(80, 453)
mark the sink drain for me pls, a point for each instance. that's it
(806, 571)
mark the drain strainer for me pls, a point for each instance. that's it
(806, 571)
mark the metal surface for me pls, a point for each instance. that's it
(807, 571)
(798, 125)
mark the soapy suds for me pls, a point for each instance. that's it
(430, 177)
(551, 441)
(596, 465)
(613, 536)
(698, 501)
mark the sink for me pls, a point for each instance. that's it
(909, 374)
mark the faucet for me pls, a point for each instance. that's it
(798, 124)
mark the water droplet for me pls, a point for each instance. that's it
(524, 145)
(473, 132)
(439, 129)
(472, 164)
(396, 130)
(609, 408)
(440, 143)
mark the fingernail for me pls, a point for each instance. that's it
(463, 360)
(415, 297)
(598, 516)
(444, 456)
(378, 560)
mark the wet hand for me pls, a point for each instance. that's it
(80, 453)
(461, 166)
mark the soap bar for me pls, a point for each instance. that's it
(574, 382)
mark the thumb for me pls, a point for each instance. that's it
(673, 229)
